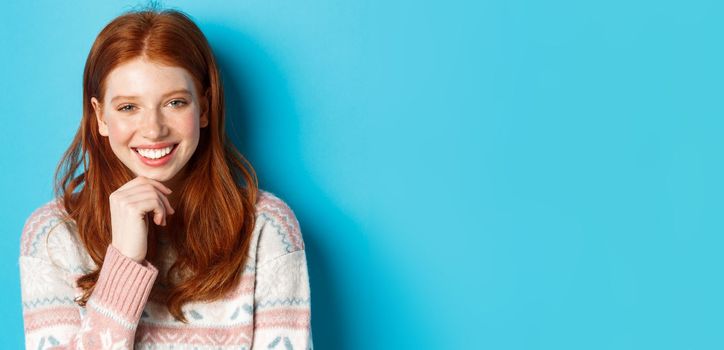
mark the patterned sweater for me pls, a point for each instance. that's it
(270, 308)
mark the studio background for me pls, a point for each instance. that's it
(467, 174)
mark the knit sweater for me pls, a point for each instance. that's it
(269, 309)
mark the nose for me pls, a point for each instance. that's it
(152, 125)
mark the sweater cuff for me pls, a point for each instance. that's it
(124, 284)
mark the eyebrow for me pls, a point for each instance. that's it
(179, 91)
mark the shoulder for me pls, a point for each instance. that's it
(50, 235)
(279, 229)
(46, 218)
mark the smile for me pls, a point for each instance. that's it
(154, 153)
(156, 156)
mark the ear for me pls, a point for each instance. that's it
(204, 118)
(102, 126)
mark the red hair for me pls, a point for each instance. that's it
(211, 230)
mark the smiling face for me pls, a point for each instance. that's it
(152, 115)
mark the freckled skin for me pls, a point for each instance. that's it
(148, 115)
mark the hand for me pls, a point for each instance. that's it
(129, 205)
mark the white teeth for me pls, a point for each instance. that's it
(154, 153)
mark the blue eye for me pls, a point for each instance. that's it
(177, 103)
(126, 108)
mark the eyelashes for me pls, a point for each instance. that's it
(180, 102)
(175, 103)
(126, 108)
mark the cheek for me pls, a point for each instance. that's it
(188, 126)
(119, 133)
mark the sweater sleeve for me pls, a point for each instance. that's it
(282, 302)
(282, 313)
(52, 319)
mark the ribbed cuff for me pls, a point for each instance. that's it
(124, 284)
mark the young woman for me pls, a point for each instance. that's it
(162, 239)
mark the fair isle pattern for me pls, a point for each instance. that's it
(270, 309)
(281, 302)
(282, 306)
(37, 226)
(283, 318)
(53, 316)
(47, 301)
(37, 233)
(281, 217)
(195, 336)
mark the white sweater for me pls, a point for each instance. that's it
(270, 309)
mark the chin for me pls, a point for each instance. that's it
(155, 176)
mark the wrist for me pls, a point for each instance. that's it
(129, 254)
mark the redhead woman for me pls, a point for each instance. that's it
(159, 237)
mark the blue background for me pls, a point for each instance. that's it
(467, 174)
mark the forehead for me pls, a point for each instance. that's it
(146, 79)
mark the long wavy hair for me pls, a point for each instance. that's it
(215, 214)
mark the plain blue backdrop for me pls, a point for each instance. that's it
(467, 174)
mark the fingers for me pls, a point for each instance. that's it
(146, 195)
(147, 199)
(159, 216)
(141, 180)
(168, 205)
(148, 188)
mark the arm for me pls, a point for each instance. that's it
(51, 317)
(282, 310)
